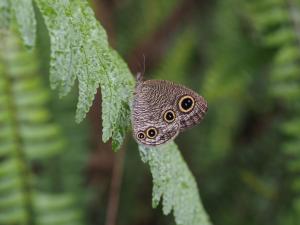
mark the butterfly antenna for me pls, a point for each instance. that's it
(139, 76)
(144, 57)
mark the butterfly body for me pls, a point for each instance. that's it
(162, 109)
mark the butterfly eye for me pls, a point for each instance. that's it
(169, 116)
(186, 103)
(151, 132)
(141, 135)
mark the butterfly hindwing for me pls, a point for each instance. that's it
(162, 109)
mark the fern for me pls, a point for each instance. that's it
(61, 169)
(24, 13)
(226, 80)
(79, 50)
(4, 14)
(54, 209)
(27, 136)
(277, 26)
(173, 182)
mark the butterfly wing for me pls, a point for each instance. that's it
(155, 98)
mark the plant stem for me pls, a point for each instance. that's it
(115, 186)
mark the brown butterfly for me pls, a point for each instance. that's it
(162, 109)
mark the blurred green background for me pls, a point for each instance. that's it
(242, 56)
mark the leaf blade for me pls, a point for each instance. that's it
(80, 51)
(25, 16)
(174, 184)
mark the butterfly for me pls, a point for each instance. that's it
(163, 109)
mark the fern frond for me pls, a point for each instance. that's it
(174, 184)
(27, 135)
(52, 209)
(70, 178)
(24, 14)
(227, 79)
(281, 32)
(80, 51)
(5, 14)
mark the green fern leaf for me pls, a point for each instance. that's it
(4, 13)
(26, 134)
(282, 33)
(24, 13)
(79, 50)
(174, 183)
(54, 209)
